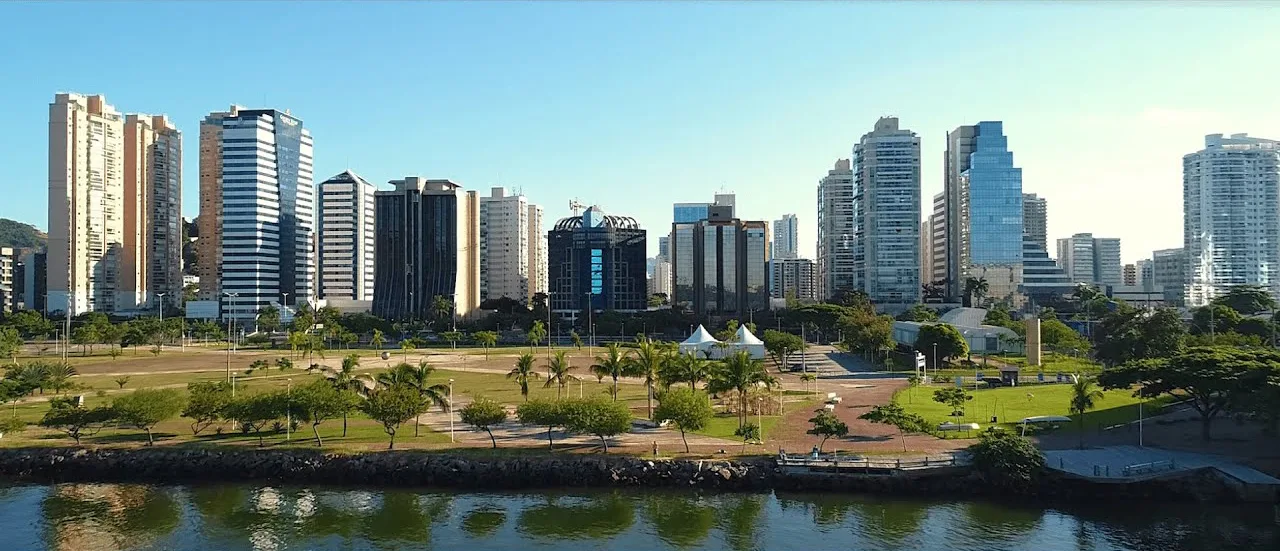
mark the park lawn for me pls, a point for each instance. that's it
(1012, 404)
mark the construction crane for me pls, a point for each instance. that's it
(576, 207)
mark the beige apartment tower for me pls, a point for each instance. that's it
(86, 203)
(209, 224)
(151, 258)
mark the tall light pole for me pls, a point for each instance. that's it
(161, 296)
(451, 410)
(230, 335)
(288, 410)
(548, 321)
(935, 360)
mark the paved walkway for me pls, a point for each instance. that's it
(1110, 462)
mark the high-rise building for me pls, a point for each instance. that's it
(719, 265)
(938, 240)
(8, 287)
(886, 235)
(786, 237)
(151, 259)
(664, 247)
(835, 232)
(689, 212)
(1035, 219)
(1169, 272)
(1231, 216)
(267, 212)
(428, 246)
(209, 224)
(793, 279)
(660, 283)
(86, 203)
(511, 249)
(1091, 260)
(347, 238)
(1044, 282)
(596, 261)
(35, 280)
(984, 212)
(1146, 274)
(1131, 275)
(926, 252)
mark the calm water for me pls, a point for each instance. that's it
(87, 517)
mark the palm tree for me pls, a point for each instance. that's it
(974, 289)
(377, 339)
(406, 345)
(648, 363)
(613, 364)
(1084, 397)
(558, 367)
(522, 373)
(739, 372)
(441, 307)
(345, 379)
(416, 378)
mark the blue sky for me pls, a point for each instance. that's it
(635, 105)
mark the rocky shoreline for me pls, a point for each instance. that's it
(436, 470)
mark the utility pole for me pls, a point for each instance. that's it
(230, 335)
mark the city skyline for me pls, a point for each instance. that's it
(1126, 129)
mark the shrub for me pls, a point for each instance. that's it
(1007, 460)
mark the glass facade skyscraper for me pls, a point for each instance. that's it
(689, 212)
(985, 194)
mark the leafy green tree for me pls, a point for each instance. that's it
(392, 407)
(781, 345)
(1211, 379)
(747, 433)
(30, 377)
(866, 332)
(303, 319)
(950, 343)
(685, 368)
(739, 372)
(1007, 460)
(487, 340)
(558, 367)
(687, 409)
(1128, 334)
(826, 424)
(320, 401)
(999, 316)
(596, 416)
(121, 381)
(522, 373)
(647, 363)
(1084, 397)
(613, 364)
(1214, 318)
(76, 422)
(206, 403)
(954, 397)
(452, 337)
(1247, 299)
(918, 313)
(58, 376)
(147, 407)
(1059, 336)
(895, 416)
(10, 342)
(85, 336)
(417, 378)
(30, 324)
(253, 412)
(483, 414)
(547, 413)
(12, 425)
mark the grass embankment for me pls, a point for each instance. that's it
(1012, 404)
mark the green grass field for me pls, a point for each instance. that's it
(1012, 404)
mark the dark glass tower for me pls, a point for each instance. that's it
(597, 261)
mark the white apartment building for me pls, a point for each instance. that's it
(1231, 214)
(660, 283)
(151, 260)
(938, 240)
(793, 278)
(1092, 260)
(268, 226)
(86, 203)
(886, 239)
(786, 237)
(835, 231)
(347, 238)
(513, 257)
(8, 287)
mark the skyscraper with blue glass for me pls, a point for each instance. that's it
(984, 214)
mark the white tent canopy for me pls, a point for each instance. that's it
(701, 340)
(745, 341)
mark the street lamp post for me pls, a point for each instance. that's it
(66, 334)
(161, 296)
(451, 410)
(230, 335)
(935, 360)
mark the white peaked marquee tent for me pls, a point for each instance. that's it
(699, 342)
(745, 341)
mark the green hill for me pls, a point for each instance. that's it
(19, 235)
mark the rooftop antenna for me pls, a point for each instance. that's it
(576, 207)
